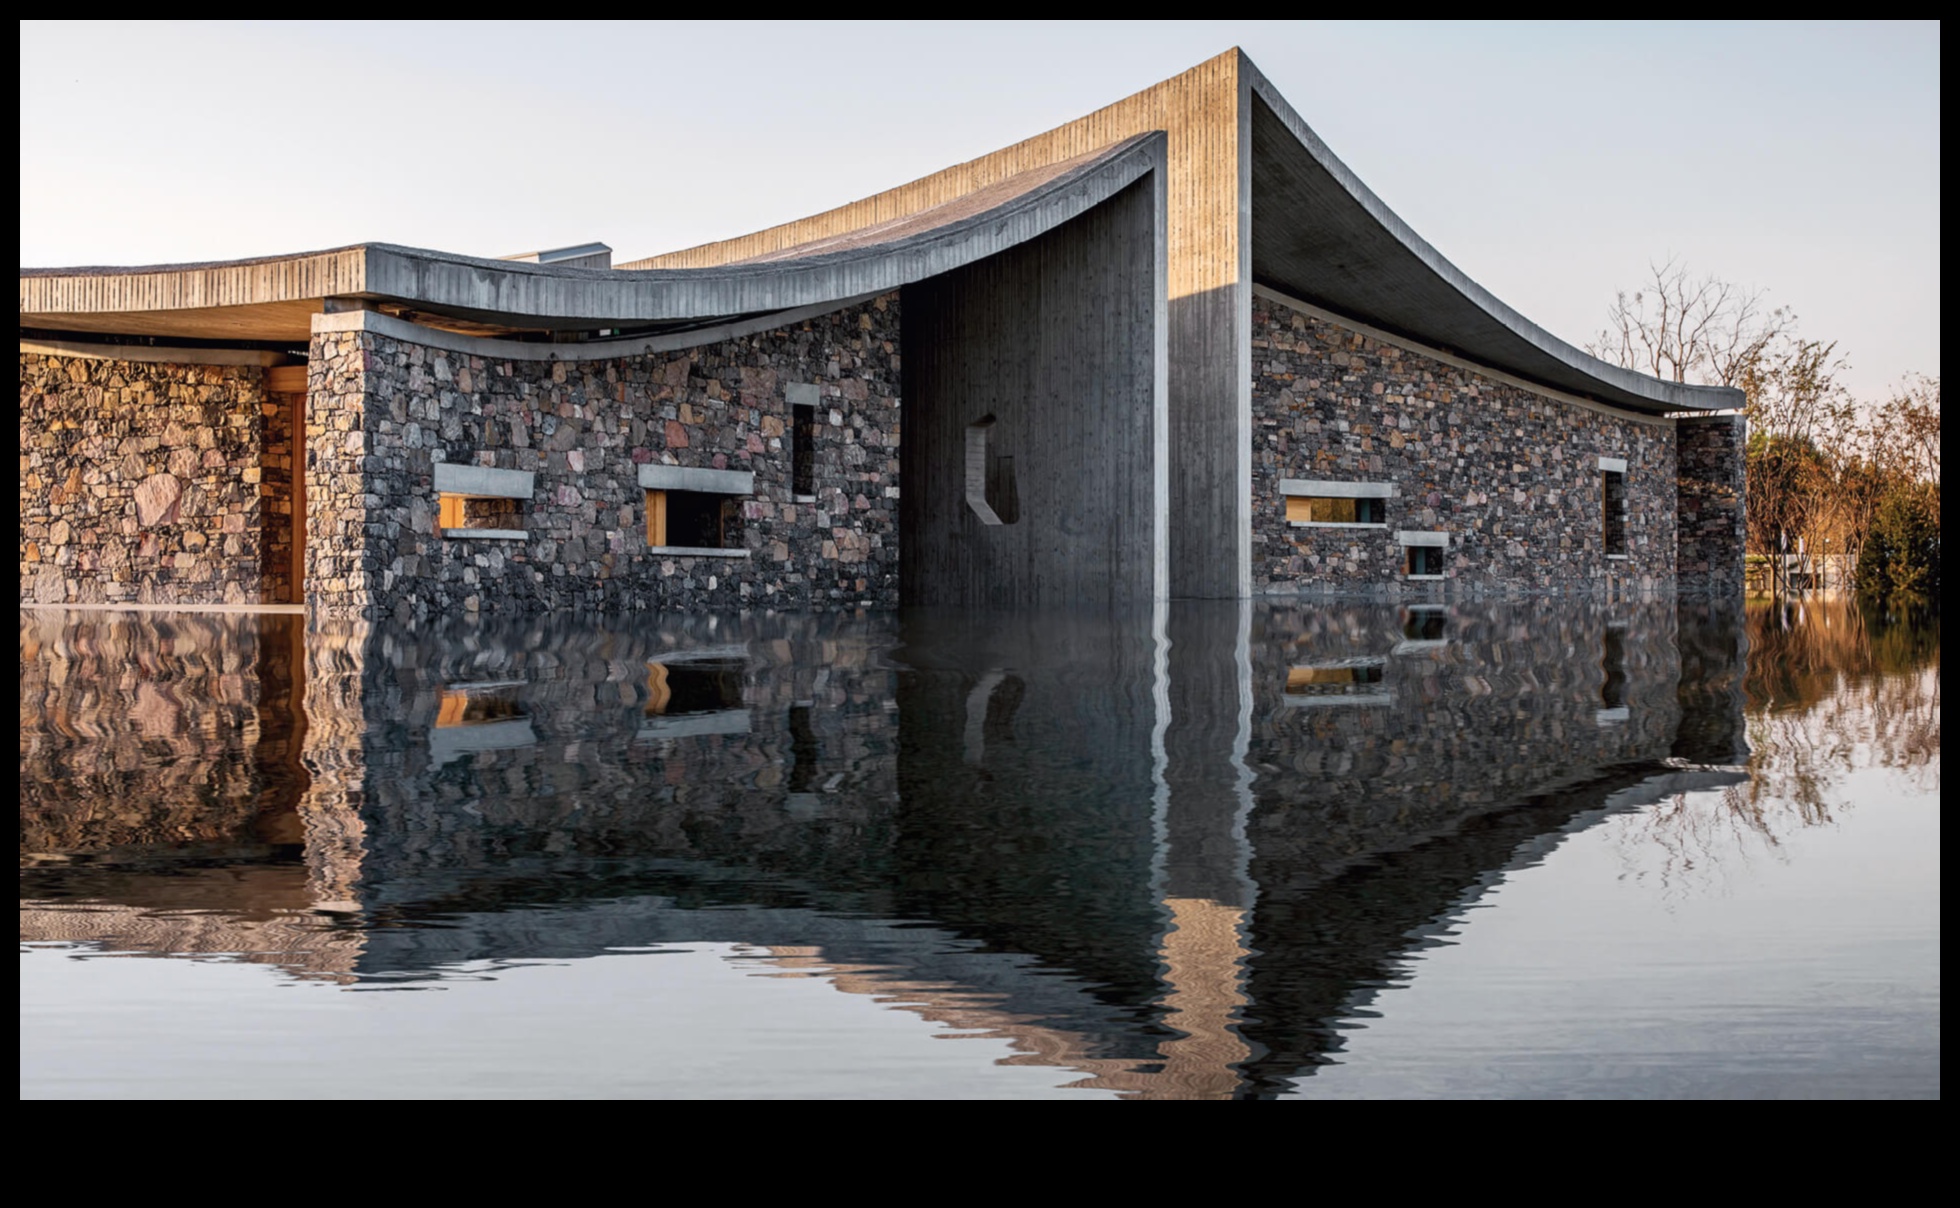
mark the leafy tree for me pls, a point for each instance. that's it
(1819, 466)
(1899, 565)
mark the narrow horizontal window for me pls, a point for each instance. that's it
(1301, 679)
(473, 718)
(694, 698)
(1322, 509)
(1422, 552)
(694, 520)
(1424, 625)
(477, 705)
(704, 686)
(478, 515)
(478, 501)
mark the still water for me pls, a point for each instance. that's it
(1226, 851)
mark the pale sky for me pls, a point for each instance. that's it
(1551, 163)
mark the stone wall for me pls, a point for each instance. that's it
(1711, 498)
(1512, 475)
(143, 482)
(383, 411)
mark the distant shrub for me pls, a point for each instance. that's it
(1900, 562)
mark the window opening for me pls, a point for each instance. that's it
(1323, 509)
(1613, 665)
(689, 696)
(694, 520)
(478, 501)
(990, 487)
(803, 450)
(479, 512)
(1312, 501)
(1613, 493)
(471, 718)
(1350, 681)
(1425, 562)
(703, 686)
(477, 705)
(1301, 679)
(1423, 625)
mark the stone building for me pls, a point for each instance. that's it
(1172, 349)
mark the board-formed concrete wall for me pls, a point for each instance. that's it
(149, 482)
(1043, 364)
(1511, 474)
(383, 411)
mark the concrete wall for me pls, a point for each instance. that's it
(1208, 273)
(149, 482)
(1059, 340)
(1711, 498)
(383, 411)
(1510, 473)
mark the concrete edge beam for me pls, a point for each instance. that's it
(1321, 489)
(485, 534)
(1418, 538)
(656, 477)
(606, 350)
(483, 481)
(695, 551)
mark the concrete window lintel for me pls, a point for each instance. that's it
(1617, 465)
(482, 481)
(655, 477)
(1411, 537)
(1338, 490)
(695, 551)
(486, 534)
(802, 394)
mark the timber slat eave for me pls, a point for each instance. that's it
(202, 287)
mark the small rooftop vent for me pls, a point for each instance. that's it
(585, 255)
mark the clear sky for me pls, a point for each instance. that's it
(1551, 163)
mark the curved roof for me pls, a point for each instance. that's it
(1254, 196)
(274, 298)
(1319, 234)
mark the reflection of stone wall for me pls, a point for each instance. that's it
(1511, 475)
(1511, 702)
(1713, 516)
(158, 733)
(798, 780)
(142, 482)
(384, 411)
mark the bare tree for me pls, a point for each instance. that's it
(1686, 328)
(1907, 434)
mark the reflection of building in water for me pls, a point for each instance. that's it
(1121, 846)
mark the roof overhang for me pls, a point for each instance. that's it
(274, 299)
(1321, 235)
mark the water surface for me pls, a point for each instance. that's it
(1225, 851)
